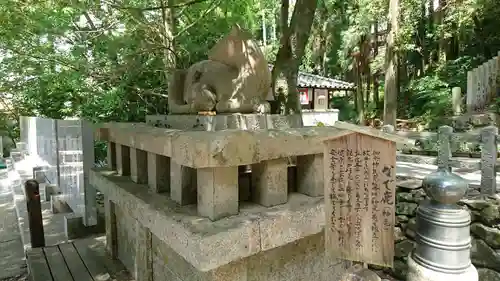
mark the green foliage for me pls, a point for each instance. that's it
(345, 105)
(109, 60)
(104, 61)
(429, 96)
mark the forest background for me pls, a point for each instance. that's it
(110, 60)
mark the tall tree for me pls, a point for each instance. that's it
(391, 90)
(294, 38)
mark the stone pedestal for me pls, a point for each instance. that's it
(416, 272)
(195, 227)
(224, 121)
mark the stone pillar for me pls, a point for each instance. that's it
(493, 79)
(270, 182)
(138, 165)
(310, 175)
(123, 160)
(217, 192)
(479, 86)
(111, 155)
(471, 90)
(182, 184)
(485, 86)
(158, 173)
(487, 82)
(143, 254)
(111, 228)
(90, 192)
(456, 100)
(443, 239)
(444, 148)
(497, 76)
(488, 160)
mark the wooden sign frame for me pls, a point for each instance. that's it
(360, 189)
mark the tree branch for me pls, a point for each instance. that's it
(213, 6)
(189, 3)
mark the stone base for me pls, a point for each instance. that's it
(243, 121)
(74, 227)
(303, 260)
(49, 190)
(416, 272)
(474, 120)
(285, 242)
(58, 204)
(224, 121)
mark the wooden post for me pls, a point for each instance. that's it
(32, 191)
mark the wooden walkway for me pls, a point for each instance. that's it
(71, 261)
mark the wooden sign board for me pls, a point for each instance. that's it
(360, 189)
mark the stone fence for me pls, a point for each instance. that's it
(59, 151)
(447, 146)
(177, 160)
(230, 202)
(483, 85)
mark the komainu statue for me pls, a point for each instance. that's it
(234, 79)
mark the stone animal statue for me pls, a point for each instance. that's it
(235, 79)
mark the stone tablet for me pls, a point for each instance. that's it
(360, 187)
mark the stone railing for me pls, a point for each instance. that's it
(193, 193)
(446, 145)
(181, 162)
(482, 85)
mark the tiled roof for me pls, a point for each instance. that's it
(308, 80)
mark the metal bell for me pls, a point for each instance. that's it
(443, 228)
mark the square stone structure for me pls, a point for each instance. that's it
(243, 121)
(186, 219)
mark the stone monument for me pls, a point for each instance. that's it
(228, 192)
(234, 79)
(226, 91)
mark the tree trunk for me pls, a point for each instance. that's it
(320, 51)
(375, 74)
(421, 38)
(169, 56)
(443, 42)
(290, 53)
(168, 29)
(359, 97)
(391, 67)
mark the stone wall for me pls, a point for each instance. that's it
(485, 230)
(304, 261)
